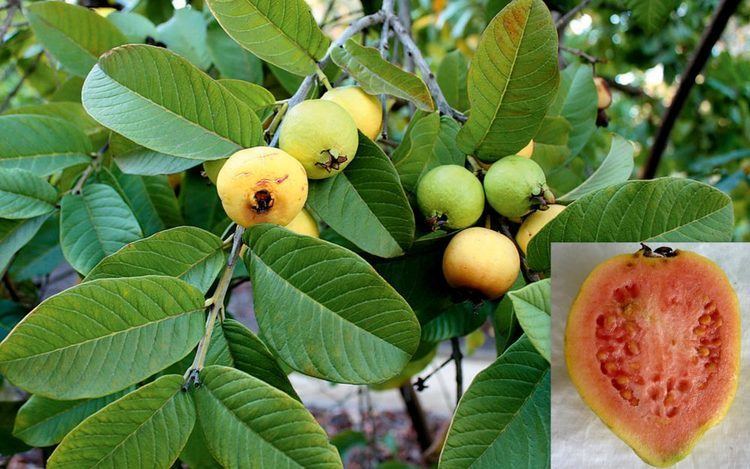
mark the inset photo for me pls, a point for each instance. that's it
(650, 355)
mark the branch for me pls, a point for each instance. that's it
(404, 15)
(568, 17)
(17, 88)
(457, 357)
(384, 33)
(307, 83)
(413, 51)
(13, 6)
(416, 415)
(579, 53)
(696, 64)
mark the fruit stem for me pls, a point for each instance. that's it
(277, 119)
(322, 77)
(216, 303)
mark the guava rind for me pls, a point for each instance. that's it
(364, 108)
(534, 223)
(660, 440)
(452, 192)
(511, 182)
(316, 129)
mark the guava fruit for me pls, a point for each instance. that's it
(603, 95)
(321, 135)
(481, 260)
(515, 185)
(652, 343)
(262, 185)
(212, 168)
(450, 197)
(527, 151)
(364, 108)
(304, 224)
(534, 223)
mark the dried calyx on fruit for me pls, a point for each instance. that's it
(450, 197)
(516, 185)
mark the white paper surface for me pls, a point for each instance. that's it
(579, 439)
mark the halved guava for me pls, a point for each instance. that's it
(652, 344)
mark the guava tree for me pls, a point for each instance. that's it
(166, 156)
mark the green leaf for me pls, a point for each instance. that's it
(132, 158)
(161, 101)
(74, 35)
(24, 195)
(531, 305)
(249, 354)
(42, 254)
(147, 428)
(651, 14)
(11, 314)
(152, 200)
(70, 112)
(135, 27)
(456, 321)
(284, 34)
(513, 80)
(41, 144)
(44, 422)
(368, 191)
(14, 234)
(103, 336)
(248, 423)
(664, 209)
(185, 33)
(616, 168)
(95, 224)
(552, 153)
(232, 60)
(186, 252)
(576, 101)
(378, 76)
(255, 96)
(504, 321)
(451, 77)
(201, 205)
(68, 91)
(325, 311)
(503, 418)
(429, 142)
(195, 453)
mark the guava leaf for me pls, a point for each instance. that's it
(531, 305)
(664, 209)
(576, 101)
(281, 33)
(616, 168)
(195, 453)
(233, 61)
(513, 79)
(152, 200)
(103, 336)
(70, 112)
(42, 254)
(132, 158)
(185, 33)
(503, 418)
(14, 234)
(161, 101)
(452, 77)
(258, 98)
(651, 14)
(325, 311)
(74, 35)
(504, 321)
(201, 205)
(366, 203)
(241, 415)
(186, 252)
(25, 195)
(378, 76)
(95, 224)
(456, 321)
(41, 144)
(44, 422)
(146, 428)
(135, 27)
(429, 142)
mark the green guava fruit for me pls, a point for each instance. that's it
(450, 197)
(652, 343)
(321, 135)
(515, 185)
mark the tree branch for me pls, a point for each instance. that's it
(562, 23)
(697, 62)
(384, 33)
(416, 415)
(457, 359)
(13, 6)
(579, 53)
(6, 102)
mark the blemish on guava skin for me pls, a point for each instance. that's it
(282, 179)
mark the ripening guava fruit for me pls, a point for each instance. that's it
(603, 95)
(262, 185)
(481, 260)
(321, 135)
(534, 223)
(515, 185)
(652, 344)
(212, 168)
(527, 151)
(451, 197)
(364, 108)
(304, 224)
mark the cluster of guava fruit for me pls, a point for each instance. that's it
(318, 139)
